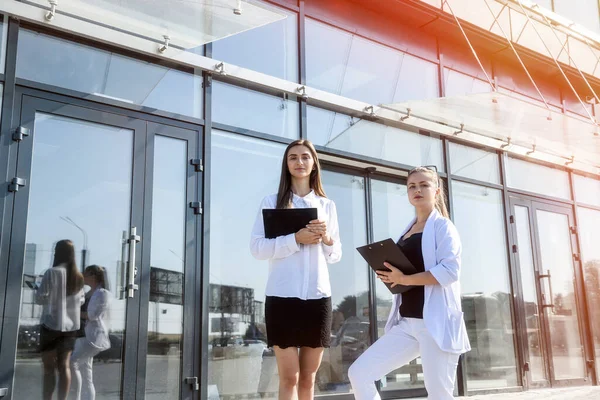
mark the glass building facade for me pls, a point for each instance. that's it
(155, 170)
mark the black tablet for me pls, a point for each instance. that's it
(283, 221)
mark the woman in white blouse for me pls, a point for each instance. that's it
(61, 296)
(298, 304)
(96, 333)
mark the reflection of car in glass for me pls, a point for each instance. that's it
(489, 327)
(116, 349)
(236, 347)
(29, 338)
(348, 343)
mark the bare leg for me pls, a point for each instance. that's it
(289, 369)
(64, 374)
(49, 362)
(310, 360)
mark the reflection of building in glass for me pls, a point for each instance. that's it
(233, 310)
(30, 258)
(166, 286)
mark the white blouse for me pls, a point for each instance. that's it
(60, 311)
(96, 331)
(297, 270)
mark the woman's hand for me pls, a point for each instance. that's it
(306, 236)
(395, 276)
(320, 227)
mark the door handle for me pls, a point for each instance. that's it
(132, 272)
(549, 276)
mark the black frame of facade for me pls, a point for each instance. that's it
(202, 250)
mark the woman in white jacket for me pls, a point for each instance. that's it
(427, 320)
(96, 333)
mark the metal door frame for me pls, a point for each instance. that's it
(532, 205)
(20, 155)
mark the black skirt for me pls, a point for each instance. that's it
(292, 322)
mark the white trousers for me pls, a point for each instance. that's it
(402, 344)
(81, 369)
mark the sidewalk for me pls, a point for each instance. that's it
(573, 393)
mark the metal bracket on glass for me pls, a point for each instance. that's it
(162, 48)
(3, 392)
(407, 116)
(238, 9)
(302, 92)
(220, 68)
(369, 110)
(50, 14)
(532, 150)
(570, 160)
(20, 133)
(462, 129)
(15, 184)
(508, 143)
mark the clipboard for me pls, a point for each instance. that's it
(283, 221)
(388, 251)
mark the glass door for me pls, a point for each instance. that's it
(102, 186)
(550, 293)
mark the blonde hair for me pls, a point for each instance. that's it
(440, 200)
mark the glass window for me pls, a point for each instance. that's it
(582, 12)
(479, 217)
(474, 163)
(271, 49)
(342, 132)
(547, 4)
(88, 70)
(244, 108)
(457, 84)
(392, 211)
(587, 190)
(3, 36)
(354, 67)
(589, 221)
(350, 325)
(233, 368)
(536, 178)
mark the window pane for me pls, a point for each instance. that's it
(457, 84)
(474, 163)
(167, 255)
(479, 217)
(233, 368)
(88, 70)
(536, 178)
(587, 190)
(244, 108)
(342, 132)
(392, 211)
(3, 36)
(582, 12)
(271, 49)
(350, 326)
(589, 221)
(354, 67)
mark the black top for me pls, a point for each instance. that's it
(414, 299)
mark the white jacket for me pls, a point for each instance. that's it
(96, 331)
(442, 311)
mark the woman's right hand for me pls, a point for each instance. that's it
(305, 236)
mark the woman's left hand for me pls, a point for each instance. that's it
(320, 227)
(395, 276)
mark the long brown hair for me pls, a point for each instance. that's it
(99, 273)
(440, 200)
(64, 257)
(284, 194)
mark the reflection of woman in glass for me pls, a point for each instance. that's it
(96, 334)
(426, 320)
(61, 294)
(298, 303)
